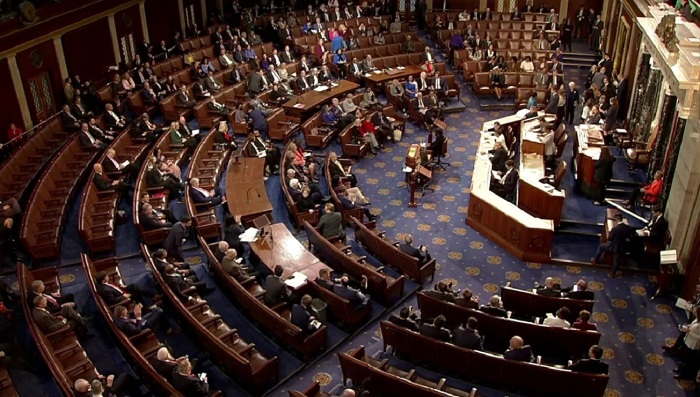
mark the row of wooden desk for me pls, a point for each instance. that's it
(302, 106)
(525, 230)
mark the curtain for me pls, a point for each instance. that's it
(638, 93)
(649, 105)
(666, 123)
(674, 149)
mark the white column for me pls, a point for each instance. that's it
(144, 25)
(19, 91)
(181, 10)
(203, 4)
(115, 39)
(60, 56)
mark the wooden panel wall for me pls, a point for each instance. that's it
(89, 61)
(8, 102)
(29, 68)
(162, 21)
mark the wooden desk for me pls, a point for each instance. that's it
(377, 80)
(413, 155)
(245, 181)
(285, 250)
(587, 143)
(313, 99)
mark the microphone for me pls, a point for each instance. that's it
(247, 193)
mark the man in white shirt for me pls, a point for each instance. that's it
(559, 320)
(113, 120)
(690, 348)
(225, 60)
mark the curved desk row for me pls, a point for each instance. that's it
(526, 229)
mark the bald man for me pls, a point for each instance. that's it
(549, 288)
(103, 182)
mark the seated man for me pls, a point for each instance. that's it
(150, 220)
(234, 266)
(303, 317)
(654, 232)
(165, 364)
(49, 323)
(560, 319)
(495, 307)
(467, 336)
(199, 195)
(165, 214)
(187, 383)
(113, 293)
(275, 289)
(437, 329)
(177, 283)
(442, 291)
(518, 351)
(579, 291)
(420, 253)
(158, 176)
(468, 299)
(506, 184)
(331, 223)
(220, 250)
(352, 295)
(134, 323)
(406, 318)
(549, 289)
(56, 304)
(593, 364)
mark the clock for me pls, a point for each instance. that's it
(27, 13)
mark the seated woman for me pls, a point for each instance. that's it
(368, 131)
(303, 160)
(304, 202)
(428, 67)
(527, 65)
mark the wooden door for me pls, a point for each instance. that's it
(41, 97)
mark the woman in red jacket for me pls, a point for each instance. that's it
(651, 191)
(368, 131)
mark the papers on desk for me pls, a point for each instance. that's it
(368, 74)
(250, 235)
(195, 132)
(377, 72)
(592, 152)
(684, 304)
(401, 67)
(321, 88)
(668, 257)
(296, 280)
(299, 105)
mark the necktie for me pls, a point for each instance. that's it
(51, 299)
(437, 84)
(89, 135)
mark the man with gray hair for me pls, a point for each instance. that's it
(572, 100)
(200, 196)
(221, 250)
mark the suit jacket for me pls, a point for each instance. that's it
(467, 338)
(109, 167)
(198, 197)
(404, 322)
(183, 99)
(165, 368)
(190, 385)
(590, 366)
(549, 292)
(111, 295)
(177, 283)
(258, 120)
(445, 297)
(301, 318)
(173, 241)
(211, 85)
(618, 237)
(657, 229)
(151, 222)
(46, 321)
(154, 178)
(582, 295)
(511, 181)
(523, 354)
(68, 119)
(330, 224)
(101, 182)
(275, 290)
(84, 140)
(255, 83)
(412, 251)
(436, 333)
(350, 294)
(499, 159)
(368, 65)
(327, 284)
(287, 58)
(494, 311)
(468, 303)
(128, 326)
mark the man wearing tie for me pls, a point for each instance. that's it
(275, 58)
(302, 82)
(211, 84)
(183, 98)
(440, 85)
(113, 120)
(69, 121)
(225, 60)
(287, 56)
(105, 136)
(111, 166)
(87, 140)
(200, 195)
(368, 64)
(506, 185)
(272, 74)
(116, 293)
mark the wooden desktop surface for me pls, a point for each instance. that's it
(313, 99)
(242, 177)
(377, 79)
(282, 248)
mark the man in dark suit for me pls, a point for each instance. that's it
(287, 55)
(348, 204)
(467, 336)
(177, 283)
(593, 364)
(113, 294)
(183, 99)
(617, 244)
(87, 140)
(49, 323)
(173, 242)
(258, 121)
(654, 231)
(97, 132)
(165, 364)
(236, 267)
(441, 291)
(508, 183)
(275, 289)
(421, 253)
(406, 319)
(579, 291)
(499, 157)
(302, 316)
(200, 196)
(255, 83)
(188, 383)
(133, 323)
(104, 183)
(150, 220)
(236, 75)
(69, 121)
(352, 295)
(80, 111)
(331, 223)
(324, 279)
(437, 329)
(157, 177)
(494, 308)
(549, 289)
(232, 234)
(518, 351)
(467, 299)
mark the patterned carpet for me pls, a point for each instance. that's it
(633, 326)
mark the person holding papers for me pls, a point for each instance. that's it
(654, 232)
(200, 195)
(499, 158)
(257, 148)
(302, 316)
(110, 165)
(688, 306)
(368, 64)
(505, 184)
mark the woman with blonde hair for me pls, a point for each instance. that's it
(128, 83)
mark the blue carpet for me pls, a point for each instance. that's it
(71, 243)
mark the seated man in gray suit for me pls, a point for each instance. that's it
(331, 223)
(352, 295)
